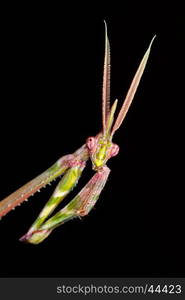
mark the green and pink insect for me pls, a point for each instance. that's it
(99, 149)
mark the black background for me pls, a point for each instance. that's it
(52, 59)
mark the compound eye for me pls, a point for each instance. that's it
(114, 150)
(90, 142)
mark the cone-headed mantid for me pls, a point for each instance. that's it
(99, 149)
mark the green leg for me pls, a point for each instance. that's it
(79, 206)
(64, 187)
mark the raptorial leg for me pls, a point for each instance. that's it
(79, 206)
(66, 184)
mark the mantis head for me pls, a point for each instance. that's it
(101, 147)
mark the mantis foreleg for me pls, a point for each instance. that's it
(64, 187)
(79, 206)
